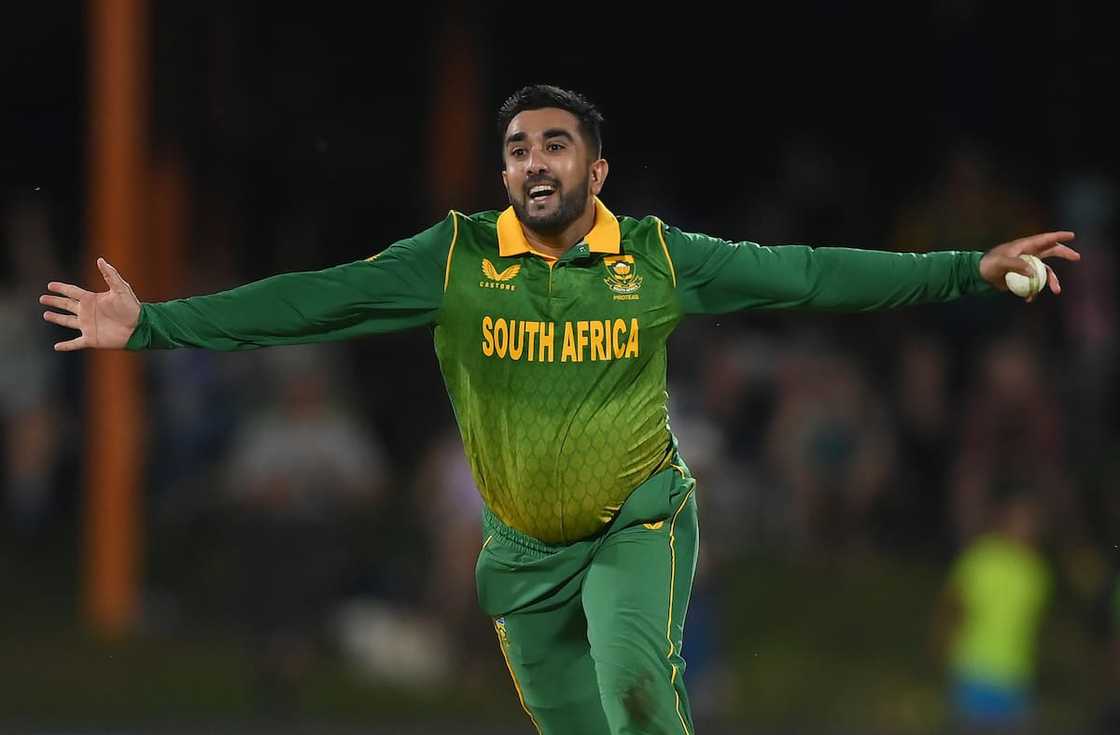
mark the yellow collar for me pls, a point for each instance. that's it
(605, 236)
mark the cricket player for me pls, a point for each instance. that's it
(550, 321)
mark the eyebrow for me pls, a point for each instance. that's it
(550, 133)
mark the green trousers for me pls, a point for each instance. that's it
(591, 631)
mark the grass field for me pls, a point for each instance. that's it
(837, 647)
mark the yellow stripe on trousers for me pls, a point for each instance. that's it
(516, 684)
(672, 587)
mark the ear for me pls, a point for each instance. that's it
(505, 180)
(599, 170)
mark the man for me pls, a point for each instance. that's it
(550, 321)
(989, 618)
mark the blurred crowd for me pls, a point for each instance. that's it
(318, 498)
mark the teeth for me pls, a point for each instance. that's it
(540, 189)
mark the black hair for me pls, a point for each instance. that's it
(539, 96)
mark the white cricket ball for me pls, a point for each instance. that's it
(1026, 287)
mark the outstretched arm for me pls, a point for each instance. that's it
(716, 276)
(400, 288)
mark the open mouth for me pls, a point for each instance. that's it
(542, 193)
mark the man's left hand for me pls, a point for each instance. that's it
(1002, 259)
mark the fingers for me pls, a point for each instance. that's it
(1016, 265)
(78, 343)
(68, 289)
(1052, 280)
(59, 302)
(63, 320)
(1060, 251)
(1035, 244)
(112, 278)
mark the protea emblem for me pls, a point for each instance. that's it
(622, 275)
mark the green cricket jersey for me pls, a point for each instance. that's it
(555, 369)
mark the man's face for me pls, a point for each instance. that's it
(550, 174)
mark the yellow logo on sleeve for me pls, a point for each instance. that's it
(494, 279)
(622, 277)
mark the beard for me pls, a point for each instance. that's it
(571, 206)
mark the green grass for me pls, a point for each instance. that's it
(847, 644)
(826, 646)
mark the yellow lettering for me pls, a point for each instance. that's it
(632, 344)
(531, 329)
(602, 340)
(619, 328)
(487, 336)
(569, 351)
(597, 342)
(581, 339)
(501, 337)
(546, 340)
(516, 338)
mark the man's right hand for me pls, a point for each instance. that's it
(106, 320)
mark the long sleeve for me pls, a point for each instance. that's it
(400, 288)
(716, 276)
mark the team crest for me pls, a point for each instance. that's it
(622, 276)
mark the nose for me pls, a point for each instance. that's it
(536, 163)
